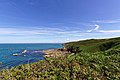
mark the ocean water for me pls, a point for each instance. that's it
(33, 53)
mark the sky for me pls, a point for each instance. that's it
(58, 21)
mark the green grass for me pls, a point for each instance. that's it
(99, 65)
(95, 45)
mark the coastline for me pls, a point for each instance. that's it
(17, 54)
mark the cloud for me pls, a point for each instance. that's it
(25, 31)
(31, 2)
(48, 34)
(38, 31)
(107, 21)
(96, 29)
(109, 31)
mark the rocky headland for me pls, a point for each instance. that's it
(55, 52)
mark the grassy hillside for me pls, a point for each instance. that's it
(94, 65)
(95, 45)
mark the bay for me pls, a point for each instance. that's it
(33, 53)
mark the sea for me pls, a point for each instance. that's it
(16, 54)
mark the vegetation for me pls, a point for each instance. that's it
(95, 45)
(101, 64)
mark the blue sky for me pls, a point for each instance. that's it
(58, 21)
